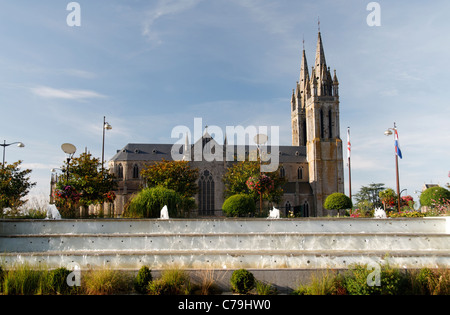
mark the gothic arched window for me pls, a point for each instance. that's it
(322, 129)
(206, 194)
(135, 171)
(306, 209)
(300, 173)
(282, 172)
(330, 124)
(120, 171)
(287, 207)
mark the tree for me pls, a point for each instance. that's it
(369, 196)
(15, 184)
(337, 201)
(245, 178)
(435, 196)
(86, 184)
(388, 198)
(176, 175)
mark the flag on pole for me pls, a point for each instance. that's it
(397, 145)
(349, 146)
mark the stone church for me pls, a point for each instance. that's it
(312, 166)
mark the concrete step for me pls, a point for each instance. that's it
(215, 259)
(213, 226)
(225, 241)
(320, 243)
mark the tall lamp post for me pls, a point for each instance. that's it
(260, 139)
(398, 153)
(70, 150)
(106, 126)
(4, 145)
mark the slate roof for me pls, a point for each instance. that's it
(158, 152)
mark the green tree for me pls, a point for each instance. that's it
(237, 176)
(368, 196)
(176, 175)
(15, 184)
(337, 201)
(388, 198)
(86, 184)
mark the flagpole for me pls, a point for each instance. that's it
(398, 153)
(349, 164)
(396, 167)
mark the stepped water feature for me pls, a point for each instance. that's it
(316, 243)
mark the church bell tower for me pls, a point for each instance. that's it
(315, 124)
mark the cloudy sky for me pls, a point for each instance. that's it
(149, 66)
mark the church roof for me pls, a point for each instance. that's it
(158, 152)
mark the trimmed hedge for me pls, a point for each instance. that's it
(434, 195)
(239, 205)
(337, 201)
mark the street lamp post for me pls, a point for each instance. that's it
(4, 145)
(70, 150)
(106, 126)
(389, 132)
(260, 139)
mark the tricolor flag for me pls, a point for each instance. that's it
(397, 145)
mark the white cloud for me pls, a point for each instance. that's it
(79, 73)
(164, 8)
(48, 92)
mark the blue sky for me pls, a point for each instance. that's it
(149, 66)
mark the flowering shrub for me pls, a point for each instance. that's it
(442, 205)
(407, 201)
(67, 193)
(435, 197)
(406, 214)
(110, 196)
(262, 184)
(361, 213)
(66, 199)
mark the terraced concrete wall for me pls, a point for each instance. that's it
(251, 243)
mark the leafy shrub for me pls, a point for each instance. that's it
(172, 282)
(149, 202)
(434, 196)
(239, 205)
(392, 282)
(242, 281)
(337, 201)
(142, 279)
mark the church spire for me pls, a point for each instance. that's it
(304, 74)
(320, 56)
